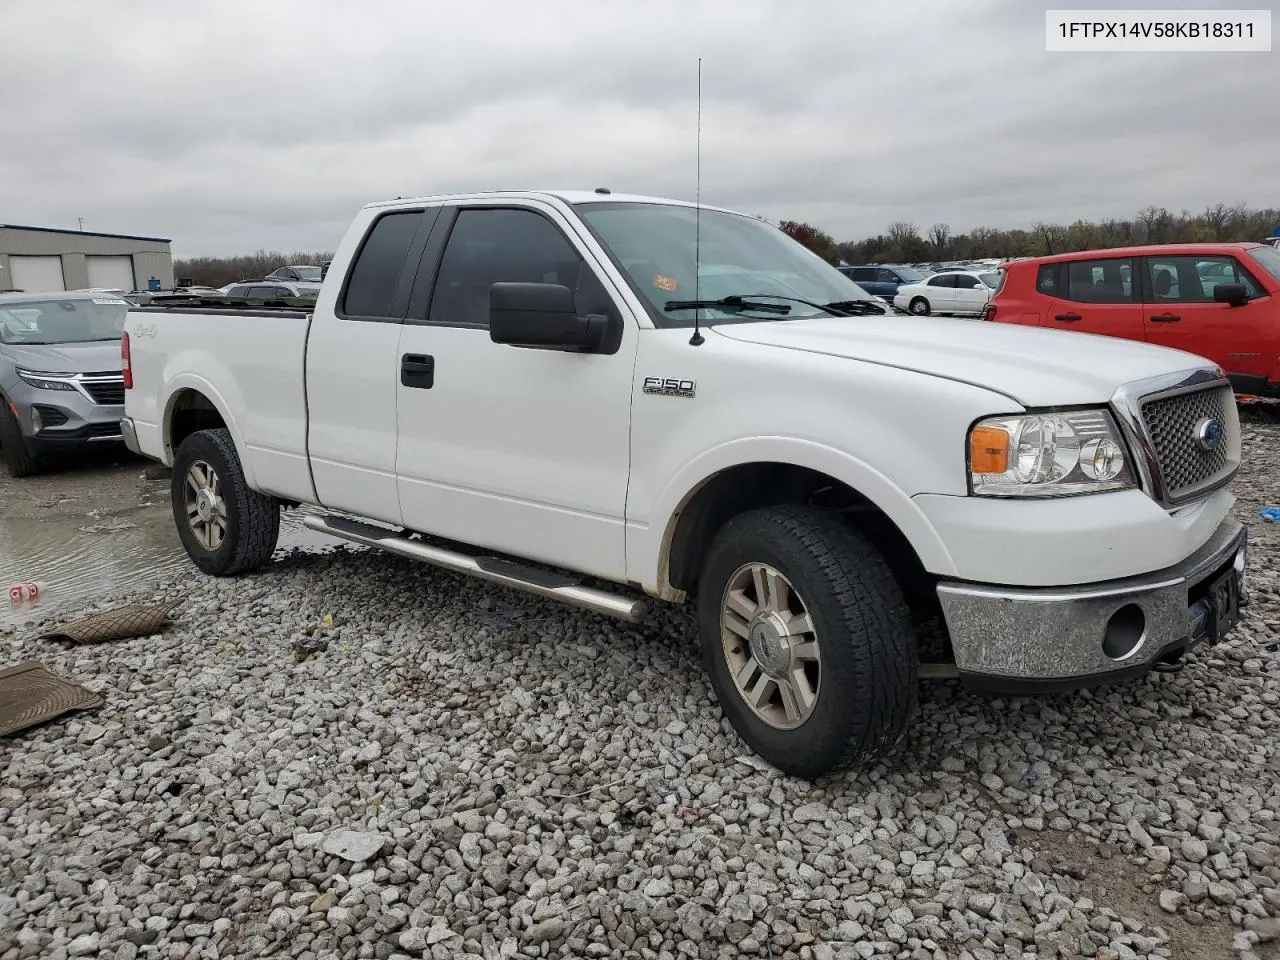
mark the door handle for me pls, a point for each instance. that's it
(418, 370)
(1165, 318)
(1067, 317)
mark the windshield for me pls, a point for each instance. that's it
(1268, 258)
(908, 275)
(308, 273)
(62, 321)
(992, 280)
(653, 244)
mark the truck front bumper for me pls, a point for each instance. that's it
(1015, 640)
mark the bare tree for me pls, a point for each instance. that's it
(939, 237)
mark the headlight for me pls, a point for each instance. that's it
(43, 381)
(1047, 455)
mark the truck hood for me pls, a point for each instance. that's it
(1034, 366)
(65, 357)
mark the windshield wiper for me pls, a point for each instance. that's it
(863, 307)
(734, 302)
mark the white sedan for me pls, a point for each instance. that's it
(962, 292)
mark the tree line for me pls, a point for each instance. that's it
(902, 242)
(219, 271)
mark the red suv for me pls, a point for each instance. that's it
(1218, 300)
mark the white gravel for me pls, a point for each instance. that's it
(451, 770)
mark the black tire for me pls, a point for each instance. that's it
(919, 307)
(17, 458)
(869, 665)
(252, 518)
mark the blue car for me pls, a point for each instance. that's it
(879, 280)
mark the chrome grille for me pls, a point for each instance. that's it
(1172, 424)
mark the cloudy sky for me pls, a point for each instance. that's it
(230, 125)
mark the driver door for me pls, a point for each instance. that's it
(520, 450)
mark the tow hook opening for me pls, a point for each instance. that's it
(1125, 633)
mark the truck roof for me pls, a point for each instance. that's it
(567, 196)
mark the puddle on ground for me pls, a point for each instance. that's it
(74, 560)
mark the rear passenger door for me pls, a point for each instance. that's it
(353, 369)
(1180, 312)
(1098, 296)
(941, 292)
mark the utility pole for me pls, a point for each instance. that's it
(81, 219)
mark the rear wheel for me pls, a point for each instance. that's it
(807, 639)
(226, 527)
(17, 458)
(920, 307)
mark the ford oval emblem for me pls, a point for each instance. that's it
(1209, 434)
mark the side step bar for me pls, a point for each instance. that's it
(508, 573)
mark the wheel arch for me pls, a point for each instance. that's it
(720, 486)
(194, 404)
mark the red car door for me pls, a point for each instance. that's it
(1098, 296)
(1180, 312)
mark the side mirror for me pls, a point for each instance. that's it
(544, 315)
(1232, 293)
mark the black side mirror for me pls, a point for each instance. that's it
(544, 315)
(1232, 293)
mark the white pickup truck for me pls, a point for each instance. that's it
(604, 399)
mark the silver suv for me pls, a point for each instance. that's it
(61, 385)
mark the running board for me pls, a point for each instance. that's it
(508, 573)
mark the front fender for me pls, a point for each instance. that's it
(648, 544)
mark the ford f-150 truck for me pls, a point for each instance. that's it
(611, 400)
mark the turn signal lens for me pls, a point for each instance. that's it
(988, 450)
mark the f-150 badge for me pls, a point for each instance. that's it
(669, 386)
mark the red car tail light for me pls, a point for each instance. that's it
(126, 366)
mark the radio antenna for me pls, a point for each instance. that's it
(697, 338)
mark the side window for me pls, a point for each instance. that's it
(1100, 281)
(376, 271)
(488, 246)
(887, 276)
(966, 282)
(238, 291)
(944, 280)
(864, 274)
(1047, 279)
(1193, 279)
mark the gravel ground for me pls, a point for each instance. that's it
(355, 756)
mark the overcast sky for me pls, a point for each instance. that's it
(230, 125)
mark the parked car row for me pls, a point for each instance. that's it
(1217, 300)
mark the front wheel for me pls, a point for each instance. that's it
(920, 307)
(17, 459)
(226, 527)
(807, 639)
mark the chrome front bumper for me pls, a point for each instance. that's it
(130, 435)
(1012, 639)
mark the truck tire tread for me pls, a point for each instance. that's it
(866, 636)
(254, 520)
(17, 458)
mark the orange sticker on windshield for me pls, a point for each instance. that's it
(668, 284)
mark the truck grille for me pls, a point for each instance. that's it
(106, 389)
(1173, 423)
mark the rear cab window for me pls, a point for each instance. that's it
(375, 274)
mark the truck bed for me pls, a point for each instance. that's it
(247, 359)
